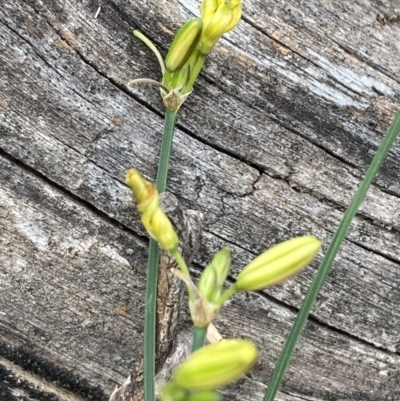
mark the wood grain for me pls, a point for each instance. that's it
(272, 144)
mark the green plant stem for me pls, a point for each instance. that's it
(149, 342)
(152, 267)
(199, 337)
(166, 145)
(226, 295)
(150, 45)
(327, 262)
(181, 262)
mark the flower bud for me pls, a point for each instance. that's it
(208, 282)
(222, 264)
(278, 263)
(216, 365)
(208, 8)
(142, 189)
(235, 18)
(206, 395)
(145, 193)
(162, 230)
(172, 392)
(153, 218)
(214, 28)
(232, 4)
(218, 18)
(183, 45)
(214, 275)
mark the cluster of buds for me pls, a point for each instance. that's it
(206, 299)
(270, 268)
(205, 303)
(217, 364)
(208, 368)
(218, 18)
(193, 42)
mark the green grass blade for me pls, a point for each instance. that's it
(327, 262)
(149, 345)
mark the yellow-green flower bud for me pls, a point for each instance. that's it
(162, 230)
(278, 263)
(183, 45)
(214, 28)
(172, 392)
(218, 18)
(216, 365)
(206, 395)
(142, 189)
(208, 282)
(235, 18)
(214, 275)
(154, 220)
(232, 4)
(222, 264)
(208, 8)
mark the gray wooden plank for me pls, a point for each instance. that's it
(65, 274)
(271, 144)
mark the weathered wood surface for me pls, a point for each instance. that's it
(272, 143)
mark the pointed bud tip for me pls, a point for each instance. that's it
(278, 263)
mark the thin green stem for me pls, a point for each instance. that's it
(199, 337)
(152, 267)
(181, 262)
(148, 81)
(226, 295)
(150, 45)
(166, 145)
(149, 343)
(185, 274)
(327, 262)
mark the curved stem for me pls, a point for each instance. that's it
(152, 267)
(150, 45)
(199, 337)
(181, 262)
(226, 295)
(148, 81)
(327, 262)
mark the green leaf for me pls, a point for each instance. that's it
(327, 262)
